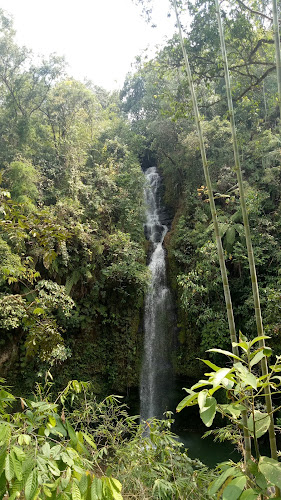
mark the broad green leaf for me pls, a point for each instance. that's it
(249, 494)
(3, 454)
(96, 489)
(249, 379)
(187, 401)
(59, 428)
(216, 485)
(234, 489)
(240, 229)
(80, 445)
(267, 351)
(230, 235)
(116, 484)
(76, 386)
(71, 433)
(246, 376)
(201, 383)
(112, 488)
(257, 357)
(262, 423)
(257, 339)
(9, 468)
(243, 345)
(202, 396)
(115, 488)
(5, 433)
(83, 484)
(233, 409)
(52, 466)
(207, 414)
(31, 485)
(261, 480)
(210, 364)
(227, 353)
(24, 439)
(52, 421)
(271, 469)
(19, 453)
(65, 480)
(55, 451)
(276, 368)
(47, 492)
(17, 466)
(3, 485)
(38, 311)
(67, 459)
(46, 450)
(6, 396)
(89, 440)
(220, 378)
(223, 227)
(75, 492)
(27, 466)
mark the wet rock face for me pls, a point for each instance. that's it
(166, 217)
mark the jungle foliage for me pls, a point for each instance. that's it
(157, 97)
(72, 447)
(73, 272)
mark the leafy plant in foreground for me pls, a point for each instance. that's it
(146, 458)
(43, 457)
(251, 258)
(244, 390)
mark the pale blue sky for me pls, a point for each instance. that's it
(99, 38)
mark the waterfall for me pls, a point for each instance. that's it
(156, 375)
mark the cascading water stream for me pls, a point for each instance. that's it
(156, 392)
(156, 376)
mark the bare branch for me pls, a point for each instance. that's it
(257, 12)
(259, 43)
(258, 81)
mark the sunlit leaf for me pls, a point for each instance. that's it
(271, 469)
(217, 484)
(262, 423)
(220, 378)
(187, 401)
(234, 489)
(227, 353)
(257, 339)
(208, 412)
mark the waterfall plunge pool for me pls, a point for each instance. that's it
(208, 451)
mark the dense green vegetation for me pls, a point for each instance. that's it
(73, 271)
(157, 98)
(74, 447)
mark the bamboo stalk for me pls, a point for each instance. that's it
(277, 50)
(227, 296)
(251, 259)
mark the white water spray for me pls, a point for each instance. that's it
(156, 376)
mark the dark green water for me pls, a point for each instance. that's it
(206, 450)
